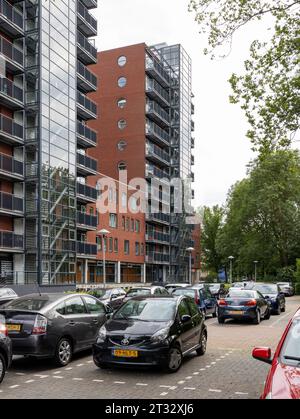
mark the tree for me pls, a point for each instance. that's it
(269, 91)
(211, 224)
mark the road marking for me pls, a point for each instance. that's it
(77, 379)
(57, 376)
(79, 365)
(56, 372)
(163, 394)
(141, 384)
(280, 318)
(196, 373)
(212, 390)
(69, 368)
(119, 382)
(181, 382)
(202, 369)
(173, 388)
(41, 376)
(20, 373)
(29, 381)
(98, 381)
(189, 388)
(213, 363)
(15, 386)
(163, 386)
(239, 393)
(188, 378)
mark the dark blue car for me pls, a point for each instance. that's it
(202, 296)
(273, 294)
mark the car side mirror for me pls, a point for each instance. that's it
(185, 318)
(263, 354)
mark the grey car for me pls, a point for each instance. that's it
(112, 297)
(6, 295)
(287, 288)
(5, 349)
(53, 325)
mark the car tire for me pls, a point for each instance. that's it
(203, 344)
(175, 359)
(268, 315)
(2, 367)
(257, 320)
(215, 313)
(101, 365)
(278, 311)
(63, 352)
(283, 309)
(221, 320)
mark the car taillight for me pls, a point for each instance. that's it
(251, 303)
(222, 302)
(3, 329)
(40, 325)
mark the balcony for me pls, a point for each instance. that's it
(158, 218)
(157, 237)
(157, 71)
(11, 20)
(11, 95)
(157, 92)
(192, 109)
(157, 114)
(86, 249)
(86, 108)
(86, 80)
(155, 133)
(157, 154)
(86, 166)
(11, 204)
(158, 258)
(86, 51)
(13, 56)
(192, 160)
(85, 21)
(86, 194)
(90, 4)
(10, 168)
(11, 242)
(155, 172)
(86, 137)
(192, 142)
(11, 132)
(86, 221)
(192, 126)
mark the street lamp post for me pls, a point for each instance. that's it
(255, 269)
(230, 272)
(103, 233)
(190, 250)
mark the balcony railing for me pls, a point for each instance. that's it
(156, 91)
(90, 4)
(153, 150)
(157, 133)
(12, 93)
(157, 236)
(10, 131)
(159, 217)
(88, 52)
(86, 136)
(12, 203)
(87, 108)
(157, 70)
(87, 23)
(12, 20)
(12, 241)
(152, 171)
(10, 166)
(87, 192)
(158, 257)
(87, 220)
(12, 53)
(88, 249)
(89, 79)
(88, 163)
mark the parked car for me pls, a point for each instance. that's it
(145, 291)
(6, 295)
(217, 290)
(5, 349)
(112, 297)
(287, 288)
(204, 300)
(283, 381)
(273, 293)
(152, 331)
(244, 304)
(53, 325)
(171, 287)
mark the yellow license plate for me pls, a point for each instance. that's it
(125, 353)
(13, 327)
(239, 313)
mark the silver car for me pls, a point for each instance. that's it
(287, 288)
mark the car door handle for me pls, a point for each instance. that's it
(95, 321)
(72, 323)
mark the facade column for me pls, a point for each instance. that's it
(144, 273)
(86, 271)
(118, 272)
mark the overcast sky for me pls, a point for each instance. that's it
(222, 150)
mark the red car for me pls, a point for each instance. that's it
(283, 381)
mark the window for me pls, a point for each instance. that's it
(127, 223)
(122, 61)
(142, 249)
(74, 306)
(113, 220)
(126, 247)
(60, 309)
(122, 124)
(193, 308)
(94, 306)
(123, 222)
(132, 225)
(137, 226)
(124, 199)
(122, 82)
(183, 309)
(122, 103)
(137, 249)
(116, 245)
(122, 145)
(122, 166)
(110, 245)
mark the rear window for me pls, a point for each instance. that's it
(4, 292)
(138, 292)
(290, 354)
(241, 294)
(184, 291)
(27, 303)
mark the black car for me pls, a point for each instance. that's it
(218, 290)
(6, 295)
(151, 331)
(5, 349)
(112, 297)
(205, 302)
(146, 291)
(243, 304)
(53, 325)
(273, 293)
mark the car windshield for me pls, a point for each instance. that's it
(139, 292)
(147, 310)
(241, 294)
(267, 289)
(290, 353)
(4, 292)
(100, 293)
(27, 303)
(184, 291)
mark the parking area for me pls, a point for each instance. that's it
(226, 371)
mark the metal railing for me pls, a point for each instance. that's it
(156, 172)
(153, 86)
(10, 127)
(154, 107)
(86, 191)
(12, 14)
(154, 150)
(158, 217)
(154, 130)
(87, 133)
(157, 236)
(87, 162)
(9, 164)
(11, 52)
(157, 257)
(87, 219)
(86, 103)
(10, 240)
(86, 45)
(9, 202)
(83, 11)
(84, 248)
(8, 88)
(152, 64)
(83, 71)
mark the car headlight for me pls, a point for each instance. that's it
(102, 335)
(160, 336)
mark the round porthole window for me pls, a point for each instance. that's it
(122, 103)
(122, 124)
(122, 166)
(122, 61)
(122, 145)
(122, 82)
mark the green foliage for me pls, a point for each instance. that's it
(286, 274)
(269, 91)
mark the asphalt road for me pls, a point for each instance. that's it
(226, 371)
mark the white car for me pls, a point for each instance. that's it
(171, 287)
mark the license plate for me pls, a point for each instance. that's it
(13, 327)
(125, 353)
(239, 313)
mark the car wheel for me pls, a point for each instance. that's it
(278, 311)
(221, 320)
(203, 344)
(267, 315)
(215, 313)
(283, 309)
(63, 353)
(174, 359)
(2, 367)
(258, 318)
(100, 364)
